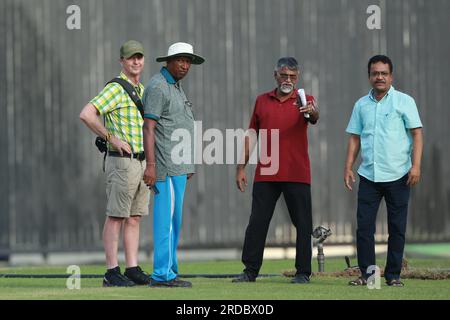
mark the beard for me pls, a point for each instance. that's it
(286, 88)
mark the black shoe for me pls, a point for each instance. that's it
(174, 283)
(182, 283)
(113, 278)
(244, 277)
(136, 275)
(300, 278)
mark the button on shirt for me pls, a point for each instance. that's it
(165, 102)
(384, 130)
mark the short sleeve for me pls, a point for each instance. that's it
(153, 100)
(254, 119)
(410, 114)
(354, 125)
(108, 98)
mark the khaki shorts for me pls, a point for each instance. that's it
(127, 195)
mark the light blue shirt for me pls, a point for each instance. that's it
(384, 130)
(165, 102)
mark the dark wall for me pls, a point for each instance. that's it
(52, 191)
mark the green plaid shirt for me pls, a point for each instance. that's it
(122, 117)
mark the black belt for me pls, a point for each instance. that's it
(140, 156)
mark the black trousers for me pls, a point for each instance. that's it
(396, 195)
(298, 201)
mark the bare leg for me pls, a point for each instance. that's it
(131, 240)
(111, 233)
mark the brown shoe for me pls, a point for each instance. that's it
(358, 282)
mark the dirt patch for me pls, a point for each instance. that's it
(407, 273)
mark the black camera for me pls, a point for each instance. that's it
(101, 144)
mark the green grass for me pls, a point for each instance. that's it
(430, 250)
(323, 287)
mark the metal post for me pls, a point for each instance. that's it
(320, 257)
(321, 233)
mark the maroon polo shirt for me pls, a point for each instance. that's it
(270, 113)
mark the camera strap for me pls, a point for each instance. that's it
(131, 92)
(106, 152)
(104, 160)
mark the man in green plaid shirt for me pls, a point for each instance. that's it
(127, 194)
(122, 118)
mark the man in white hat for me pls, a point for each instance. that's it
(167, 109)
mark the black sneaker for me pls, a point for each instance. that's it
(113, 278)
(136, 275)
(244, 277)
(300, 279)
(174, 283)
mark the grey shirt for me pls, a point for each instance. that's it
(165, 102)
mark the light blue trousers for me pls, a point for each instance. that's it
(167, 214)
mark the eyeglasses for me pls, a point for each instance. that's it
(383, 74)
(285, 76)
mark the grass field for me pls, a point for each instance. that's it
(271, 288)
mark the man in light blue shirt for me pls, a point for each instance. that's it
(386, 127)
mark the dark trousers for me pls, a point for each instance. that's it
(298, 201)
(396, 195)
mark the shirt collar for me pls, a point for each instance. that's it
(123, 76)
(167, 75)
(390, 91)
(273, 94)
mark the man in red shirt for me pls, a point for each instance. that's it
(280, 114)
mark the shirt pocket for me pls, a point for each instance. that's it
(188, 109)
(392, 121)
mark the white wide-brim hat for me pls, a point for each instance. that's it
(182, 49)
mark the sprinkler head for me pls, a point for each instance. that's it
(321, 234)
